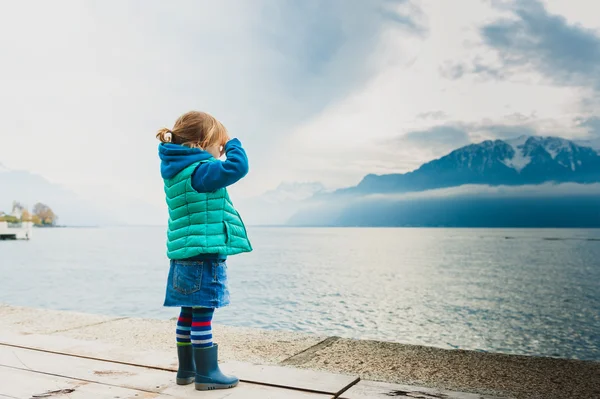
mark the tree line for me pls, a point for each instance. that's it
(41, 215)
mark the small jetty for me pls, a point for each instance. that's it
(15, 231)
(64, 355)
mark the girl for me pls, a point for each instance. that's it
(204, 228)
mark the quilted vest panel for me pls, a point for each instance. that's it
(202, 223)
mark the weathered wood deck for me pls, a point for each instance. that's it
(68, 369)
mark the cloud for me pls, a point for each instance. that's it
(477, 67)
(591, 124)
(432, 115)
(315, 90)
(86, 84)
(566, 53)
(453, 71)
(506, 131)
(546, 205)
(415, 147)
(360, 133)
(438, 139)
(482, 191)
(326, 45)
(410, 150)
(526, 43)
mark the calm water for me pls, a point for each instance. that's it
(516, 291)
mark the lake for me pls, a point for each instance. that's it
(523, 291)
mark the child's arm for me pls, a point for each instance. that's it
(211, 176)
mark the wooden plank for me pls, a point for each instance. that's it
(149, 381)
(23, 384)
(86, 369)
(243, 391)
(372, 389)
(92, 349)
(264, 392)
(308, 380)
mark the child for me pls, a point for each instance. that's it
(204, 228)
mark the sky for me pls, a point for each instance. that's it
(317, 91)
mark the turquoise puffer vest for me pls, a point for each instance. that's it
(202, 223)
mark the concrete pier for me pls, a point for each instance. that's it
(18, 231)
(56, 353)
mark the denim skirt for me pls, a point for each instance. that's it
(197, 283)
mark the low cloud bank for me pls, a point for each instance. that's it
(545, 206)
(484, 191)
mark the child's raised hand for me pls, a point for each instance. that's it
(226, 139)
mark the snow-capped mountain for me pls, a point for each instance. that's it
(503, 186)
(566, 153)
(520, 161)
(593, 143)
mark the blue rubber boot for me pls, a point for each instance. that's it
(208, 374)
(186, 371)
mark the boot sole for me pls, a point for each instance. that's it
(210, 387)
(185, 381)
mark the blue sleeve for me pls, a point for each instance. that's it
(211, 176)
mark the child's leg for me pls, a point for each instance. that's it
(186, 371)
(202, 327)
(206, 355)
(184, 327)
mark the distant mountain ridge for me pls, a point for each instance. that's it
(29, 188)
(523, 182)
(520, 161)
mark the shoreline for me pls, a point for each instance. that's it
(266, 330)
(482, 373)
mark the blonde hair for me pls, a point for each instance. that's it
(196, 130)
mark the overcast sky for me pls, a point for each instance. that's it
(325, 90)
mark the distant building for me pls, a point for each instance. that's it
(17, 210)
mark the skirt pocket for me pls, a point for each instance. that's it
(187, 277)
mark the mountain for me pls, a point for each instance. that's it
(522, 182)
(29, 188)
(520, 161)
(592, 143)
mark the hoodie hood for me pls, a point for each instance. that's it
(175, 158)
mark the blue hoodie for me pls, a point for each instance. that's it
(208, 176)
